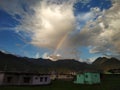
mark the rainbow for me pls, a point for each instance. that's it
(60, 43)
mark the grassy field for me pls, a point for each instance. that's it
(108, 82)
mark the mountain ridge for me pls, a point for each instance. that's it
(11, 62)
(107, 64)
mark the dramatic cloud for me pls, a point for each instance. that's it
(52, 24)
(102, 35)
(49, 23)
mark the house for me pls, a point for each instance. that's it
(21, 78)
(87, 78)
(64, 77)
(61, 76)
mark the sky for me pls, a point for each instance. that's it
(60, 29)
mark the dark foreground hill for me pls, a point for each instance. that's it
(10, 62)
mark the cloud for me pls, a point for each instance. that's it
(46, 22)
(103, 33)
(37, 55)
(52, 24)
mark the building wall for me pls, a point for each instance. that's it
(92, 78)
(96, 78)
(24, 79)
(10, 79)
(1, 78)
(64, 77)
(88, 78)
(53, 76)
(41, 80)
(79, 79)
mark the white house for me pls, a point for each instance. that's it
(21, 78)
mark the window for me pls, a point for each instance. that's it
(86, 76)
(36, 77)
(26, 79)
(9, 79)
(96, 75)
(46, 79)
(41, 79)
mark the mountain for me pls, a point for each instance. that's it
(106, 64)
(10, 62)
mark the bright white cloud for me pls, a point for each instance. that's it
(47, 22)
(51, 24)
(51, 21)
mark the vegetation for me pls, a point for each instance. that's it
(108, 82)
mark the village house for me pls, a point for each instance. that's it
(61, 77)
(65, 76)
(20, 78)
(87, 78)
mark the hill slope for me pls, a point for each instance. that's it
(107, 63)
(10, 62)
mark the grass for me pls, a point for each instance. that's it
(108, 82)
